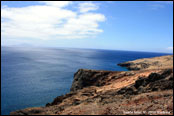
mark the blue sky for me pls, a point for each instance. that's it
(133, 26)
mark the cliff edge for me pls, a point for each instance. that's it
(143, 90)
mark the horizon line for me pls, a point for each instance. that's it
(83, 48)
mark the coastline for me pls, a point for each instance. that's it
(98, 91)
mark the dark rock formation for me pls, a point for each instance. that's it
(85, 78)
(154, 82)
(134, 66)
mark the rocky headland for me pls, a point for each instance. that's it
(146, 89)
(162, 62)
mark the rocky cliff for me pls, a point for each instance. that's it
(144, 90)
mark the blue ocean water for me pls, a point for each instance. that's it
(32, 77)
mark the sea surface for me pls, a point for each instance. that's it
(32, 77)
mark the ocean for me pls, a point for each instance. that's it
(32, 77)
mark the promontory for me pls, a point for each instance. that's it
(147, 88)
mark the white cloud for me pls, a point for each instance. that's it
(170, 48)
(57, 3)
(49, 21)
(87, 6)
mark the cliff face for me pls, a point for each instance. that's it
(81, 78)
(114, 93)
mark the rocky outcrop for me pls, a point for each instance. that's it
(149, 63)
(82, 80)
(154, 82)
(113, 93)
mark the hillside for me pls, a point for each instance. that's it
(146, 89)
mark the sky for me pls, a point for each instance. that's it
(116, 25)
